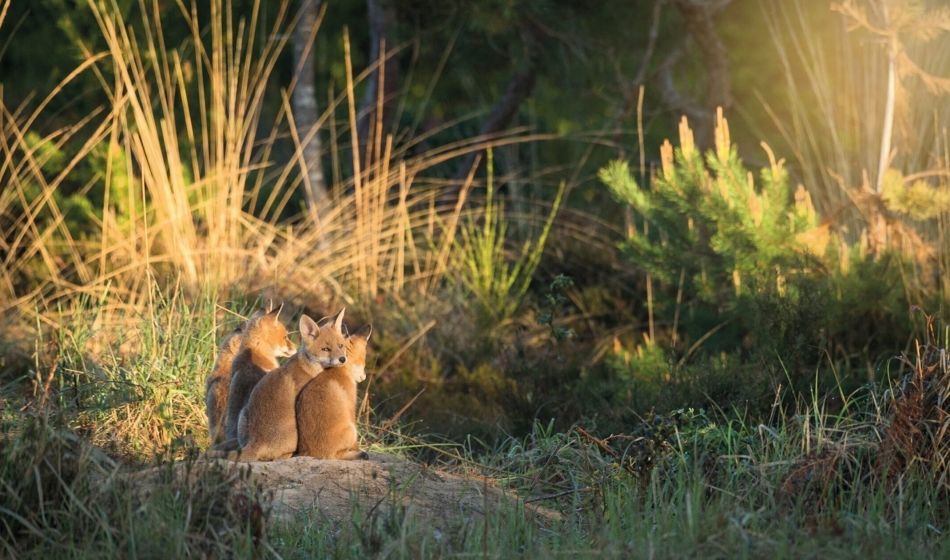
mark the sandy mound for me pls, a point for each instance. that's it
(303, 486)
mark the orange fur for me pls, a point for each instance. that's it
(218, 384)
(264, 340)
(326, 407)
(267, 428)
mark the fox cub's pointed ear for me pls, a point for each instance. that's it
(308, 329)
(336, 321)
(364, 331)
(275, 314)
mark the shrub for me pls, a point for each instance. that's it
(750, 266)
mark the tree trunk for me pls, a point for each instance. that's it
(889, 102)
(879, 225)
(382, 19)
(305, 110)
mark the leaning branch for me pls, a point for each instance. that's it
(698, 19)
(519, 88)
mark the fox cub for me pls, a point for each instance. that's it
(264, 340)
(267, 428)
(219, 383)
(326, 407)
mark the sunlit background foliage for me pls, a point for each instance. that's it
(540, 237)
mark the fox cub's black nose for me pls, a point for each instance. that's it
(343, 360)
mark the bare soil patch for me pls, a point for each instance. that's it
(303, 486)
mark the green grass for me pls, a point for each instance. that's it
(679, 510)
(806, 483)
(119, 358)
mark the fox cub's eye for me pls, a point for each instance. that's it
(325, 349)
(341, 346)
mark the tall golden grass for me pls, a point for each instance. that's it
(194, 209)
(837, 86)
(194, 194)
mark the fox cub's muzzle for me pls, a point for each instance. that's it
(287, 350)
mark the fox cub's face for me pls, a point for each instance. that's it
(265, 331)
(356, 352)
(323, 342)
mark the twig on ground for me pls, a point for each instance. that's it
(560, 494)
(606, 448)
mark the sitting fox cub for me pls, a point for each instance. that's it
(218, 384)
(326, 407)
(264, 340)
(267, 427)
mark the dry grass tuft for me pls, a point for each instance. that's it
(833, 123)
(813, 485)
(194, 200)
(60, 494)
(47, 482)
(229, 512)
(918, 435)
